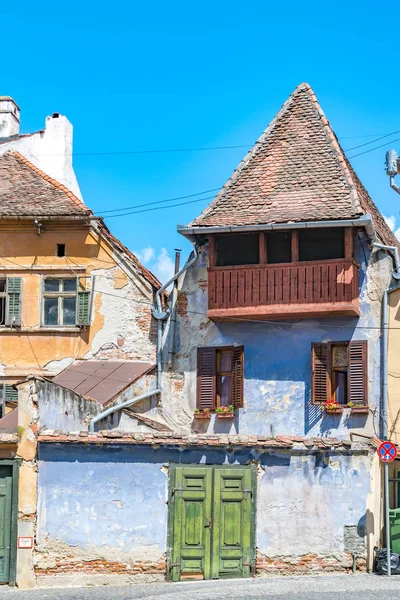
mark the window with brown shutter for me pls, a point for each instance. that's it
(339, 372)
(220, 377)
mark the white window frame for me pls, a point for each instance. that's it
(5, 296)
(60, 294)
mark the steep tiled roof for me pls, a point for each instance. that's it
(166, 438)
(25, 190)
(297, 171)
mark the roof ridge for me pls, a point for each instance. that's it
(49, 179)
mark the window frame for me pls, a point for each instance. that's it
(5, 296)
(60, 295)
(330, 391)
(3, 397)
(237, 384)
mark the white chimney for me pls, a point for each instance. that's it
(9, 117)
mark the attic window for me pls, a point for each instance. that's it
(60, 250)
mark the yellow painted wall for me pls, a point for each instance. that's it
(394, 366)
(28, 349)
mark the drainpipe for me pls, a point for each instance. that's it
(173, 312)
(160, 315)
(113, 409)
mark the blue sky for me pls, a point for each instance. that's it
(167, 75)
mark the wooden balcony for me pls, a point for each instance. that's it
(293, 290)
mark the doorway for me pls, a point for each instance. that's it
(211, 522)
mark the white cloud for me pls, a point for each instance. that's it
(145, 255)
(164, 266)
(161, 264)
(391, 222)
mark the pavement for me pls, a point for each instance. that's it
(333, 587)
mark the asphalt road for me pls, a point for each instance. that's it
(340, 587)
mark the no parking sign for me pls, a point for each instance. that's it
(387, 452)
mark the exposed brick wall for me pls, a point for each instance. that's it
(307, 564)
(102, 567)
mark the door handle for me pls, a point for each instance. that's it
(209, 523)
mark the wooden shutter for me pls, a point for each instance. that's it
(320, 381)
(357, 373)
(10, 393)
(206, 379)
(83, 310)
(237, 376)
(13, 309)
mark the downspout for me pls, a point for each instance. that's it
(161, 315)
(173, 311)
(385, 340)
(113, 409)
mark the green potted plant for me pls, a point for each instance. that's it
(225, 412)
(331, 407)
(202, 414)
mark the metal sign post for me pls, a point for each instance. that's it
(387, 453)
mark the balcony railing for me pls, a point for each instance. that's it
(303, 289)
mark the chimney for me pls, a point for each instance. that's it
(9, 117)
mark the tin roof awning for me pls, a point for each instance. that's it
(101, 380)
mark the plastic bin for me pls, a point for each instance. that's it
(395, 530)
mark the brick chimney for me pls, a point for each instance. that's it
(9, 117)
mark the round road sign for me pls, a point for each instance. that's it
(387, 452)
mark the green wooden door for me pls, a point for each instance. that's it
(191, 496)
(5, 521)
(212, 522)
(232, 551)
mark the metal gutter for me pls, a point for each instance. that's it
(117, 407)
(363, 221)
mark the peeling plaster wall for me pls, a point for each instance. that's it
(121, 325)
(277, 388)
(109, 503)
(60, 408)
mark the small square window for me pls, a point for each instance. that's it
(60, 250)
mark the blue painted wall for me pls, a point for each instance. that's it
(277, 385)
(113, 499)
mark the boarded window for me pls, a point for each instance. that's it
(339, 372)
(321, 244)
(234, 250)
(220, 375)
(279, 247)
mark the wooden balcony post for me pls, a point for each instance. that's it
(295, 246)
(263, 248)
(211, 251)
(348, 242)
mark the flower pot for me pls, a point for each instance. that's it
(225, 415)
(202, 416)
(359, 410)
(334, 411)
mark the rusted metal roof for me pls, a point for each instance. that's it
(101, 380)
(9, 423)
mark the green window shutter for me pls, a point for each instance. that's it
(83, 311)
(13, 311)
(10, 393)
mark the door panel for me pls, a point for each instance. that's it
(212, 520)
(233, 496)
(5, 521)
(191, 495)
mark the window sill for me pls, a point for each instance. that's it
(8, 330)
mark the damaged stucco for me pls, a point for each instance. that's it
(109, 503)
(277, 363)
